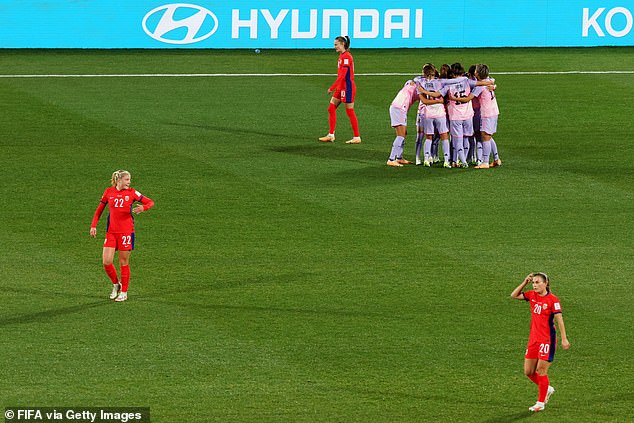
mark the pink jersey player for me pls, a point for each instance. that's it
(489, 112)
(460, 87)
(461, 111)
(434, 121)
(406, 97)
(460, 114)
(120, 199)
(542, 341)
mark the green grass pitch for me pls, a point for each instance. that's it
(279, 279)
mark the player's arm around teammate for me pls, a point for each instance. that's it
(120, 199)
(435, 120)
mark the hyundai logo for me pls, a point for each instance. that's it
(180, 23)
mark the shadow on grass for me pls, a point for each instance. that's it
(510, 417)
(342, 313)
(376, 169)
(386, 174)
(229, 130)
(47, 315)
(333, 152)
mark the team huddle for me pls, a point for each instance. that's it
(456, 109)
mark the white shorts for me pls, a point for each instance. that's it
(398, 117)
(433, 125)
(489, 125)
(461, 128)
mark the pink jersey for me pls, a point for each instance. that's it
(460, 87)
(543, 310)
(421, 106)
(437, 110)
(406, 97)
(120, 218)
(488, 103)
(475, 102)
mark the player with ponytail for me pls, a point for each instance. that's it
(542, 341)
(343, 90)
(119, 229)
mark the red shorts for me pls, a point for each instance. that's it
(346, 95)
(121, 242)
(541, 350)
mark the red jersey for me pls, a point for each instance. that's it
(345, 75)
(543, 310)
(120, 218)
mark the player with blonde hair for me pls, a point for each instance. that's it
(120, 199)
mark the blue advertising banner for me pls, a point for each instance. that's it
(313, 23)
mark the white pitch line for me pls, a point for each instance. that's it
(611, 72)
(211, 75)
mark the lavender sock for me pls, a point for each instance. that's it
(397, 148)
(472, 148)
(419, 143)
(459, 150)
(486, 151)
(427, 149)
(446, 150)
(494, 150)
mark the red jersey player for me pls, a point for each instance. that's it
(343, 90)
(119, 229)
(545, 308)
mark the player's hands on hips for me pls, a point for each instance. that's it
(138, 209)
(330, 91)
(93, 232)
(565, 344)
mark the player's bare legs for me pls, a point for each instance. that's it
(124, 258)
(108, 255)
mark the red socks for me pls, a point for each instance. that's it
(332, 117)
(542, 382)
(111, 272)
(543, 388)
(353, 121)
(535, 378)
(125, 279)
